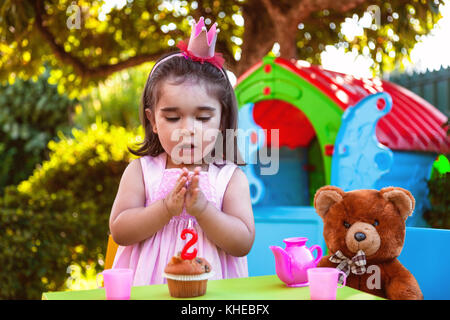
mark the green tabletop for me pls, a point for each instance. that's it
(251, 288)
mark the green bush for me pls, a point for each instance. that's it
(439, 214)
(116, 100)
(31, 114)
(59, 216)
(41, 236)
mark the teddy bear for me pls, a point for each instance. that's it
(364, 231)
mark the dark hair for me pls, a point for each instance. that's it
(217, 84)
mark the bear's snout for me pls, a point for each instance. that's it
(363, 236)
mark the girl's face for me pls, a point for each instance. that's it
(187, 121)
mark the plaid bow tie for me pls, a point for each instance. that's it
(355, 264)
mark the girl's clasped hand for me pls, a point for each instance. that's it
(186, 193)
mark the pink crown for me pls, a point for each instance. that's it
(202, 44)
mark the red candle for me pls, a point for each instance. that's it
(189, 255)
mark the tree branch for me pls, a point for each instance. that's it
(301, 10)
(79, 67)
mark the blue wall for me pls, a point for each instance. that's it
(289, 186)
(411, 170)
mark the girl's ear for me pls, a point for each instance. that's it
(150, 117)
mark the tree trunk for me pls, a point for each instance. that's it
(259, 36)
(270, 21)
(286, 35)
(261, 32)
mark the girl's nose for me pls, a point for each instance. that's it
(189, 127)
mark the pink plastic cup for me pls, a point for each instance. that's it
(323, 283)
(117, 283)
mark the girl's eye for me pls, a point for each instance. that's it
(172, 119)
(376, 223)
(346, 224)
(203, 118)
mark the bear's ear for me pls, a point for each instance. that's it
(325, 197)
(402, 199)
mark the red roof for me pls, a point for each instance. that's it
(413, 124)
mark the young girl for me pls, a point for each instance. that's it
(187, 97)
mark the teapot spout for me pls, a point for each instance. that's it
(282, 264)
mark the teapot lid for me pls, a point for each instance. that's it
(295, 241)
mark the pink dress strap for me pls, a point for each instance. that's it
(153, 167)
(222, 179)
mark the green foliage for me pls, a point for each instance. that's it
(439, 185)
(440, 166)
(388, 39)
(42, 233)
(116, 101)
(59, 216)
(118, 37)
(31, 114)
(108, 39)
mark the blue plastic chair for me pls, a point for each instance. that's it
(425, 255)
(272, 225)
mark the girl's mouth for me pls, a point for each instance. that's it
(188, 146)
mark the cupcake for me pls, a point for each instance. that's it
(187, 278)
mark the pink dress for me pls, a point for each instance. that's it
(149, 257)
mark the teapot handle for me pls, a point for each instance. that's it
(319, 253)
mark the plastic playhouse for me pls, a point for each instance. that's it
(333, 129)
(337, 129)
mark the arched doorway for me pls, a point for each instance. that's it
(300, 169)
(311, 120)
